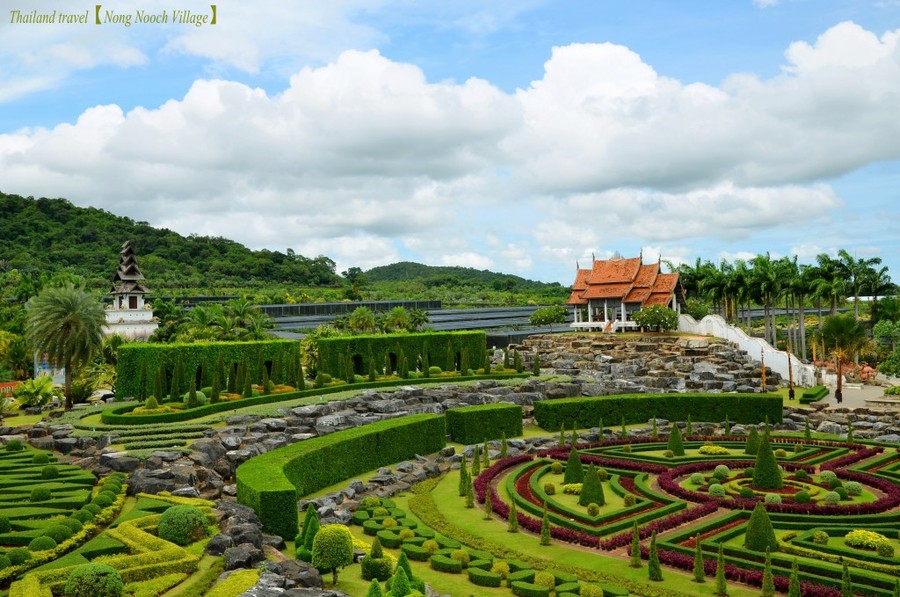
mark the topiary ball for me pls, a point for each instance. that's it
(549, 488)
(18, 555)
(827, 476)
(94, 580)
(83, 516)
(182, 525)
(746, 493)
(545, 579)
(40, 494)
(103, 500)
(722, 469)
(73, 523)
(853, 488)
(716, 490)
(698, 479)
(629, 499)
(42, 543)
(748, 472)
(820, 538)
(832, 497)
(40, 458)
(58, 532)
(49, 472)
(93, 509)
(593, 509)
(801, 475)
(802, 497)
(842, 492)
(773, 498)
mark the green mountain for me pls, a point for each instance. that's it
(45, 236)
(434, 276)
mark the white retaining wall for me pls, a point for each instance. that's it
(776, 360)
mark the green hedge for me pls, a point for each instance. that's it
(192, 357)
(475, 424)
(638, 408)
(451, 351)
(526, 589)
(445, 564)
(271, 483)
(415, 552)
(484, 578)
(813, 394)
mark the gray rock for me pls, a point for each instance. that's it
(246, 533)
(192, 492)
(218, 544)
(242, 556)
(830, 427)
(892, 438)
(120, 462)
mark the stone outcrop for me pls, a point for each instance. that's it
(613, 364)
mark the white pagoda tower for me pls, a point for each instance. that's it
(129, 315)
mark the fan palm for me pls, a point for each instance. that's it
(844, 336)
(66, 324)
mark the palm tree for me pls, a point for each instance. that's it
(66, 324)
(833, 284)
(767, 286)
(803, 287)
(856, 271)
(845, 337)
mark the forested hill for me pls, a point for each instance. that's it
(432, 276)
(48, 235)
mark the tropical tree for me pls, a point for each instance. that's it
(66, 324)
(832, 285)
(766, 288)
(856, 271)
(844, 336)
(362, 321)
(548, 316)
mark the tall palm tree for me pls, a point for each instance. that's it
(856, 271)
(767, 286)
(804, 287)
(834, 285)
(66, 324)
(844, 336)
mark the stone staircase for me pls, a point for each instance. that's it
(612, 364)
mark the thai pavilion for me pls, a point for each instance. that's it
(607, 295)
(128, 315)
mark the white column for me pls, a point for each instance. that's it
(590, 311)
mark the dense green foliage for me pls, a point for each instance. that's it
(94, 580)
(591, 489)
(766, 474)
(451, 351)
(574, 470)
(332, 549)
(272, 482)
(584, 412)
(675, 444)
(472, 424)
(657, 318)
(49, 235)
(182, 524)
(199, 361)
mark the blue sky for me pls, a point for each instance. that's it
(518, 136)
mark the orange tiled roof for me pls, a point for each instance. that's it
(581, 279)
(658, 298)
(606, 291)
(575, 298)
(624, 279)
(646, 275)
(665, 283)
(614, 271)
(637, 295)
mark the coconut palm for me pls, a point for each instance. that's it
(856, 270)
(844, 336)
(66, 324)
(767, 287)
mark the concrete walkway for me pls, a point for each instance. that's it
(856, 396)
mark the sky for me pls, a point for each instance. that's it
(520, 136)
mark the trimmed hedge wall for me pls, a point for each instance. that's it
(271, 483)
(448, 350)
(192, 357)
(475, 424)
(638, 408)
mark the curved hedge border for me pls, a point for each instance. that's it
(638, 408)
(118, 416)
(271, 483)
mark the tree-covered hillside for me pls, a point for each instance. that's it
(49, 235)
(433, 276)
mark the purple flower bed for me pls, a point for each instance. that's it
(663, 524)
(852, 458)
